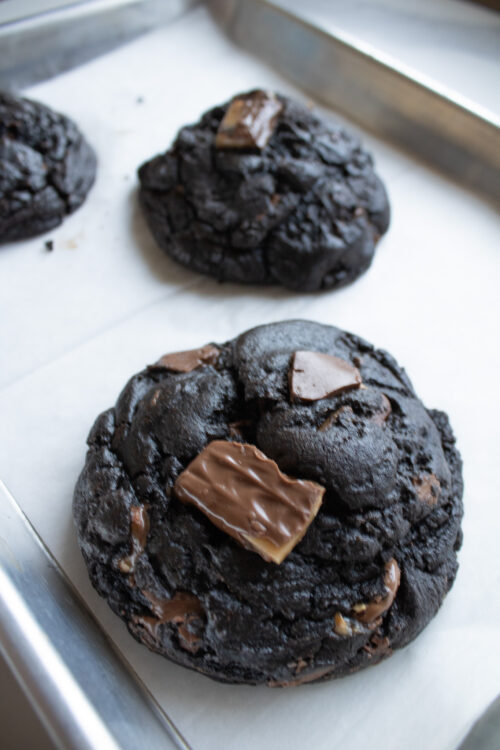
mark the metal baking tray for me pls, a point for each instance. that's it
(41, 38)
(85, 694)
(61, 656)
(406, 108)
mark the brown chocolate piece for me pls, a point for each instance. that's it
(303, 679)
(368, 613)
(314, 376)
(250, 121)
(428, 488)
(139, 529)
(189, 360)
(184, 610)
(246, 495)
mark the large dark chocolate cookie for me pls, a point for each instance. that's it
(260, 190)
(46, 168)
(295, 442)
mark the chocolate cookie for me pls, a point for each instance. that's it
(278, 509)
(262, 191)
(46, 168)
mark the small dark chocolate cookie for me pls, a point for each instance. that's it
(261, 190)
(46, 168)
(278, 509)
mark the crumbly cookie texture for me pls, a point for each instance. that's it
(46, 168)
(259, 537)
(263, 191)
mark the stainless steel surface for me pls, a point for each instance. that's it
(485, 734)
(407, 109)
(15, 10)
(21, 727)
(82, 690)
(41, 41)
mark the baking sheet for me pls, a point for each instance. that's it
(77, 322)
(454, 43)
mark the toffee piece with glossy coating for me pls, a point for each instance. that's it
(249, 121)
(262, 191)
(246, 495)
(46, 168)
(189, 578)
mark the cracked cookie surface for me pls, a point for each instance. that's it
(305, 210)
(46, 168)
(371, 569)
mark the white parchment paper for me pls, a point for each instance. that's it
(77, 322)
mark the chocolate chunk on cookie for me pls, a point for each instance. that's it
(46, 168)
(249, 121)
(261, 190)
(260, 535)
(244, 493)
(314, 376)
